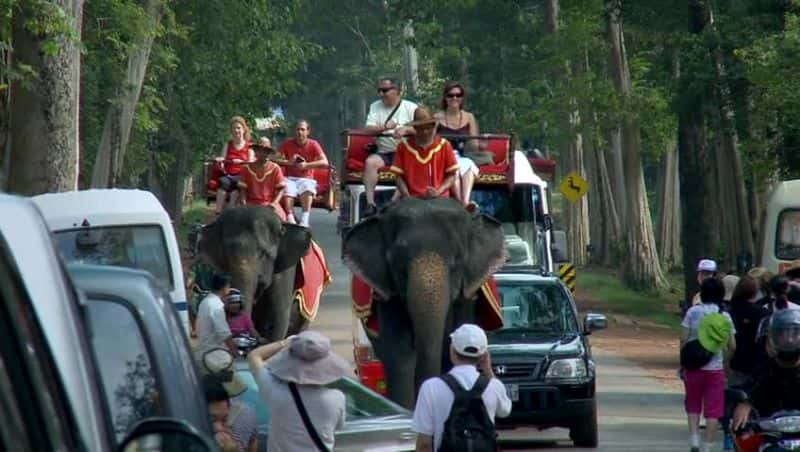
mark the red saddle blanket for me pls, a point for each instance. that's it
(489, 312)
(310, 280)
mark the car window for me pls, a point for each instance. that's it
(137, 247)
(34, 409)
(543, 308)
(362, 402)
(126, 369)
(787, 240)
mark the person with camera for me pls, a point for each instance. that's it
(388, 118)
(773, 386)
(301, 155)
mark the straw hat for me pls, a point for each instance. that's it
(308, 360)
(218, 363)
(422, 116)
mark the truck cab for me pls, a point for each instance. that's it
(508, 189)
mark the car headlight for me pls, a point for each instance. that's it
(786, 424)
(567, 369)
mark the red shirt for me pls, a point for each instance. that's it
(423, 168)
(240, 323)
(232, 153)
(263, 183)
(311, 152)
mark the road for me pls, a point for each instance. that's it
(636, 412)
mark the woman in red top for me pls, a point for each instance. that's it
(237, 154)
(262, 182)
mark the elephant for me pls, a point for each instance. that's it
(261, 255)
(426, 259)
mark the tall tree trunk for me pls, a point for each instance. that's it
(695, 166)
(571, 154)
(411, 60)
(669, 216)
(119, 117)
(44, 111)
(642, 268)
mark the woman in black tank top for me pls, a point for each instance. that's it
(455, 121)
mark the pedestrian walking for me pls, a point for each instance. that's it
(707, 331)
(463, 399)
(291, 376)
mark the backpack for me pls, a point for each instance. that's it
(468, 428)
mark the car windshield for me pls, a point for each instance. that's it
(137, 247)
(787, 240)
(516, 210)
(536, 307)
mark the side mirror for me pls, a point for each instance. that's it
(559, 247)
(165, 435)
(593, 322)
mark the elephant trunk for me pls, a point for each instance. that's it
(244, 277)
(428, 301)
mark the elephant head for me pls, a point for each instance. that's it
(427, 258)
(257, 250)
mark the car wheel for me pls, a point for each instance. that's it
(584, 432)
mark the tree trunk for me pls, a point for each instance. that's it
(119, 118)
(411, 60)
(44, 111)
(669, 215)
(643, 267)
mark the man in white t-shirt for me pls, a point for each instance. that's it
(387, 117)
(211, 324)
(468, 351)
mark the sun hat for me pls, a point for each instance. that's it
(469, 340)
(707, 265)
(218, 363)
(730, 282)
(308, 360)
(422, 116)
(714, 332)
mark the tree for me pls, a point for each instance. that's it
(44, 107)
(642, 267)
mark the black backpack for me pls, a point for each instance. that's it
(694, 355)
(468, 428)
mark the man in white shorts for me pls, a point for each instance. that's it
(302, 155)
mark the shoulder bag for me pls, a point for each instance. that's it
(306, 420)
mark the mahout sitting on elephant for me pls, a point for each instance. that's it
(261, 254)
(426, 259)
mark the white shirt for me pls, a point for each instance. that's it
(211, 324)
(692, 320)
(436, 399)
(287, 433)
(378, 115)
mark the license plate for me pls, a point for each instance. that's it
(789, 444)
(513, 392)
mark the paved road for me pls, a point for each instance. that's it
(637, 413)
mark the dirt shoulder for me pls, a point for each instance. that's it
(652, 346)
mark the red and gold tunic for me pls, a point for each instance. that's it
(263, 183)
(422, 168)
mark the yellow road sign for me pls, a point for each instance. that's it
(573, 187)
(568, 274)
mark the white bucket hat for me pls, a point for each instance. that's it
(308, 360)
(218, 363)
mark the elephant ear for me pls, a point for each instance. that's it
(486, 250)
(294, 244)
(364, 253)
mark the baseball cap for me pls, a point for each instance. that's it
(469, 340)
(707, 265)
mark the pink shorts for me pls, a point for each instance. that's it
(705, 392)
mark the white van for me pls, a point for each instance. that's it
(126, 228)
(782, 227)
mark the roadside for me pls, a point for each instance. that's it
(642, 328)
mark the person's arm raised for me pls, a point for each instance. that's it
(259, 356)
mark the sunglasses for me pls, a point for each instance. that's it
(455, 95)
(386, 90)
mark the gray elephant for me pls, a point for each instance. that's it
(261, 255)
(426, 259)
